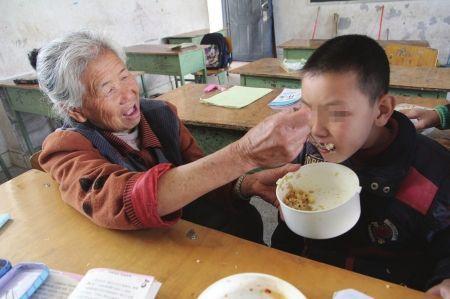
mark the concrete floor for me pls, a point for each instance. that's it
(14, 170)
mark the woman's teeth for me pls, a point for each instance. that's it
(130, 111)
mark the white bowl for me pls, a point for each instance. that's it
(251, 286)
(336, 192)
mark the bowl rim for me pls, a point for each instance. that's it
(250, 274)
(357, 191)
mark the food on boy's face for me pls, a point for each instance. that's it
(322, 146)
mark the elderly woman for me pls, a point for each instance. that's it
(128, 163)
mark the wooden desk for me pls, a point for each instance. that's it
(431, 82)
(161, 60)
(30, 99)
(45, 229)
(303, 48)
(267, 72)
(215, 127)
(192, 36)
(406, 81)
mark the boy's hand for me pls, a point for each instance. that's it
(441, 290)
(263, 183)
(425, 118)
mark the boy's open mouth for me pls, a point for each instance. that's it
(321, 146)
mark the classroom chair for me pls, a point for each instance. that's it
(34, 161)
(221, 73)
(5, 169)
(411, 55)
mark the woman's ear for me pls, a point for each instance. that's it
(77, 114)
(386, 105)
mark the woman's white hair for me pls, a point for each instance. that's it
(61, 63)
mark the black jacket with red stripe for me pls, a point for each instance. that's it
(403, 234)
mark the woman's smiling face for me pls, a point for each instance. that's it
(111, 100)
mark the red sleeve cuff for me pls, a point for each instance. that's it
(141, 202)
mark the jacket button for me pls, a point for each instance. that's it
(87, 208)
(374, 186)
(85, 184)
(386, 189)
(100, 181)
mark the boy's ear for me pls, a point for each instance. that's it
(386, 105)
(77, 114)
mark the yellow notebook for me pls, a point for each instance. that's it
(237, 96)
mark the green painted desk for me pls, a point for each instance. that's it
(215, 127)
(192, 37)
(26, 98)
(405, 81)
(161, 60)
(429, 82)
(267, 72)
(303, 48)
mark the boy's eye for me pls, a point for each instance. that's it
(339, 113)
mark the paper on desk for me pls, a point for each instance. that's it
(350, 294)
(98, 283)
(4, 218)
(58, 285)
(287, 97)
(237, 96)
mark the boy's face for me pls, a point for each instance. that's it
(341, 114)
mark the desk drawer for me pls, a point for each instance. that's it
(29, 100)
(179, 40)
(297, 53)
(265, 82)
(435, 94)
(154, 64)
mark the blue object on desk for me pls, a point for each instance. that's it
(23, 280)
(4, 267)
(4, 218)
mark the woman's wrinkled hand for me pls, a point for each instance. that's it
(276, 140)
(441, 290)
(425, 118)
(263, 183)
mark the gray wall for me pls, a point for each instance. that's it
(420, 20)
(29, 24)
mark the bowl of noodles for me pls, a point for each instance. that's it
(320, 200)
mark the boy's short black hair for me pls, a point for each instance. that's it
(357, 53)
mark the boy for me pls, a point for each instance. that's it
(403, 234)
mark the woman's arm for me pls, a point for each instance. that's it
(275, 141)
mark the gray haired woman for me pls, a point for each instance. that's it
(129, 163)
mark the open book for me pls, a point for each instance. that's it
(98, 283)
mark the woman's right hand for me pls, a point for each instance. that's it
(276, 140)
(425, 118)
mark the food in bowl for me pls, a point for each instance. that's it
(320, 200)
(299, 199)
